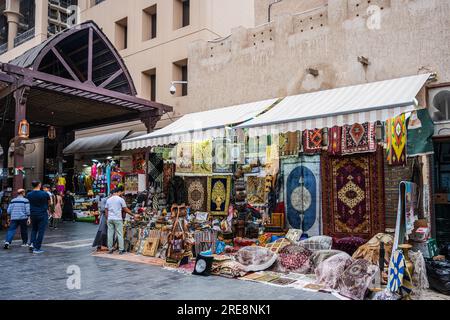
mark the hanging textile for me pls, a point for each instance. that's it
(222, 156)
(262, 149)
(289, 143)
(420, 134)
(256, 190)
(397, 141)
(312, 141)
(335, 140)
(203, 157)
(358, 138)
(168, 173)
(219, 191)
(155, 168)
(272, 159)
(302, 193)
(252, 151)
(197, 193)
(353, 195)
(184, 159)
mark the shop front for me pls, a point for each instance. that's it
(329, 190)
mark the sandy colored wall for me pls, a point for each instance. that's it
(271, 60)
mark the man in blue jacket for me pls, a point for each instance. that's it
(19, 211)
(39, 204)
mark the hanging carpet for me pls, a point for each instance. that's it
(353, 195)
(197, 196)
(358, 138)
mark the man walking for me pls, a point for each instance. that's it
(39, 204)
(113, 212)
(19, 210)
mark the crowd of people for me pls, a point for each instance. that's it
(43, 207)
(40, 208)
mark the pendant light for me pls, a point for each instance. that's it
(52, 133)
(24, 129)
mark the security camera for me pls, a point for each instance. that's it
(173, 89)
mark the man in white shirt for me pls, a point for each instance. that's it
(113, 212)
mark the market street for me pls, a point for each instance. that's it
(28, 276)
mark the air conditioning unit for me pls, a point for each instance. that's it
(439, 103)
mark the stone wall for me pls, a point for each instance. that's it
(271, 60)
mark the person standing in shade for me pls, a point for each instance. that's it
(19, 210)
(57, 212)
(113, 213)
(68, 203)
(101, 239)
(39, 204)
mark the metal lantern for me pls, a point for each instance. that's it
(24, 129)
(52, 133)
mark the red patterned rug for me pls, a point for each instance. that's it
(353, 195)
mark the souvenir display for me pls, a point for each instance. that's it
(219, 188)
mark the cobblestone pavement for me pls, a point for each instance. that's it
(43, 277)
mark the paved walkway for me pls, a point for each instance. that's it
(27, 276)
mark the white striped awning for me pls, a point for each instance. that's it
(200, 125)
(371, 102)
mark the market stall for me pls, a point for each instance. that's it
(320, 191)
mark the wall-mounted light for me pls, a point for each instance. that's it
(363, 60)
(24, 129)
(433, 77)
(312, 71)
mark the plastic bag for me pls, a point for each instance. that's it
(439, 275)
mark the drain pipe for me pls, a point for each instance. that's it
(270, 8)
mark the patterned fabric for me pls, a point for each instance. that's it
(410, 207)
(420, 133)
(396, 141)
(221, 156)
(330, 270)
(335, 140)
(397, 270)
(312, 141)
(255, 258)
(205, 240)
(302, 193)
(358, 138)
(256, 190)
(293, 258)
(252, 150)
(371, 250)
(203, 157)
(353, 195)
(184, 160)
(168, 173)
(319, 256)
(349, 244)
(317, 243)
(219, 190)
(197, 193)
(289, 143)
(356, 279)
(228, 269)
(155, 168)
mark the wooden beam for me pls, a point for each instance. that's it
(64, 63)
(111, 79)
(90, 54)
(7, 91)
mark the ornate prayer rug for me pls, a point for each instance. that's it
(358, 138)
(196, 188)
(222, 156)
(168, 173)
(397, 141)
(219, 191)
(353, 195)
(256, 190)
(312, 141)
(203, 157)
(302, 193)
(335, 140)
(289, 143)
(184, 158)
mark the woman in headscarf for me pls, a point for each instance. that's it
(101, 238)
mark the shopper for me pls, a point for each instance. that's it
(101, 239)
(19, 210)
(68, 203)
(39, 204)
(113, 212)
(57, 212)
(51, 207)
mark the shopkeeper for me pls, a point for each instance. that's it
(113, 212)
